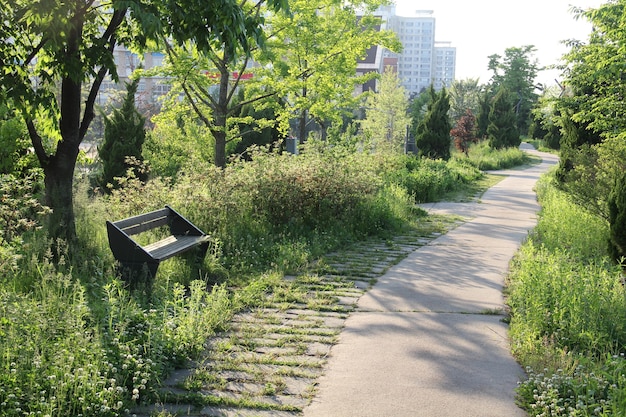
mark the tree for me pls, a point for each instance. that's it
(433, 133)
(209, 81)
(386, 117)
(482, 122)
(315, 53)
(502, 132)
(124, 135)
(595, 78)
(516, 72)
(464, 133)
(62, 45)
(464, 95)
(592, 111)
(545, 118)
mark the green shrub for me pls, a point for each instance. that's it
(124, 135)
(502, 131)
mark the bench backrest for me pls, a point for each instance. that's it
(145, 222)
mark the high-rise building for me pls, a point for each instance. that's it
(423, 61)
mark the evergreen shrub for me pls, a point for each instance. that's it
(124, 134)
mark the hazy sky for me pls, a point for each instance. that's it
(479, 28)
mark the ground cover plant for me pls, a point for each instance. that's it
(568, 313)
(75, 341)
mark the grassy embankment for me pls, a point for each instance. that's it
(568, 313)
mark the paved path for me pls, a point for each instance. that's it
(427, 339)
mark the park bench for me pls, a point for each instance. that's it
(136, 260)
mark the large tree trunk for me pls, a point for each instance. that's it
(303, 117)
(221, 115)
(59, 175)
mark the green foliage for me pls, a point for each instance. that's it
(235, 27)
(124, 135)
(617, 219)
(568, 309)
(594, 76)
(315, 53)
(252, 134)
(418, 108)
(433, 133)
(465, 95)
(428, 180)
(593, 171)
(20, 207)
(501, 131)
(516, 72)
(545, 121)
(15, 155)
(482, 121)
(177, 142)
(386, 120)
(485, 158)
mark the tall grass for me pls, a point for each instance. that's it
(485, 158)
(568, 313)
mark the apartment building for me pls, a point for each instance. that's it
(423, 61)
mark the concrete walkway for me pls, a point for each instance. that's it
(427, 339)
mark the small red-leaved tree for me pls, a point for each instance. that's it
(465, 132)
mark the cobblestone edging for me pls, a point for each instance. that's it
(268, 362)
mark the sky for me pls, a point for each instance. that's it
(479, 28)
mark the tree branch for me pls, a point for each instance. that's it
(42, 156)
(110, 40)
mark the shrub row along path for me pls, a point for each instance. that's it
(427, 339)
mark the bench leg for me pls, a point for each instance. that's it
(135, 273)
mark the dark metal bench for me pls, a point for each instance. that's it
(137, 260)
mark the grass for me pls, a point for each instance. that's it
(568, 314)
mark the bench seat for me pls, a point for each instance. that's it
(173, 245)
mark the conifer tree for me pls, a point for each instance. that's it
(482, 121)
(502, 131)
(433, 132)
(124, 134)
